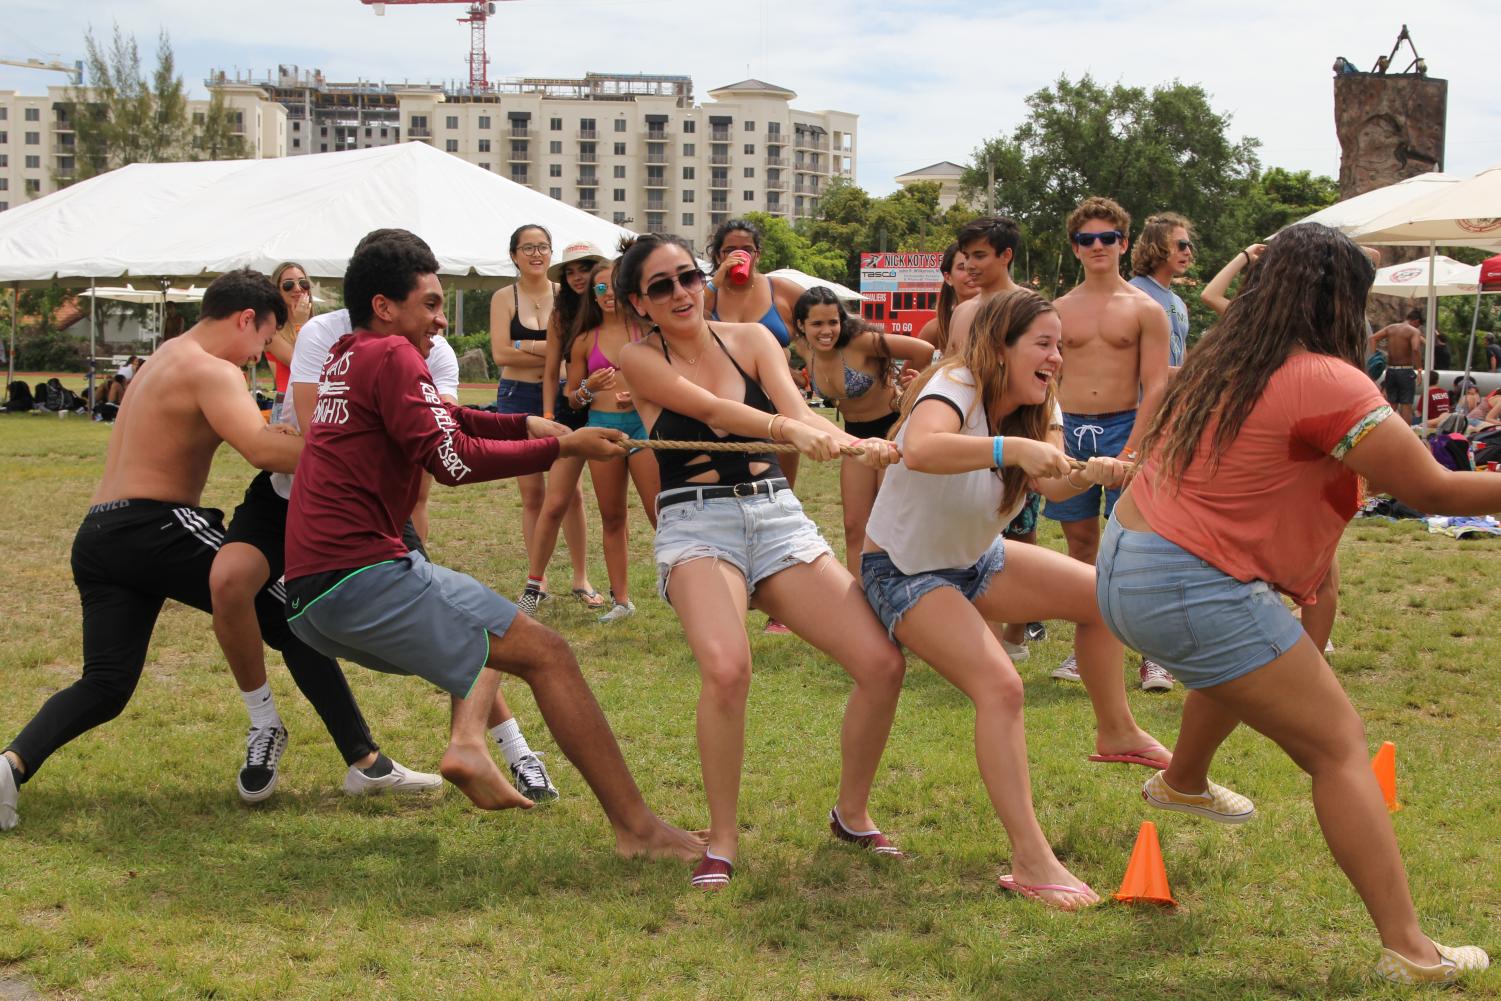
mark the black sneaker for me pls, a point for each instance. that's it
(529, 776)
(1036, 632)
(263, 750)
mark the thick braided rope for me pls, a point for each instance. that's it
(744, 446)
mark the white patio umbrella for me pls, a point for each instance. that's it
(806, 281)
(1412, 279)
(1464, 214)
(1359, 211)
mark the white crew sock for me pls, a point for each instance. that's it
(262, 707)
(512, 744)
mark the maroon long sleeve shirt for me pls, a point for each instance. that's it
(378, 425)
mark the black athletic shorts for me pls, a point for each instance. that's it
(260, 520)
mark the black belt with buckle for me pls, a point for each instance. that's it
(751, 489)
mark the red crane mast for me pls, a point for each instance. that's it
(479, 12)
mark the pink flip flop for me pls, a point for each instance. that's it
(874, 841)
(712, 873)
(1035, 892)
(1141, 757)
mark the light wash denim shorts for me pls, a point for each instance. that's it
(1188, 615)
(893, 593)
(758, 535)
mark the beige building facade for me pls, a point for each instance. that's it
(38, 145)
(637, 150)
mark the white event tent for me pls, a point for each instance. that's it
(195, 220)
(1411, 280)
(805, 281)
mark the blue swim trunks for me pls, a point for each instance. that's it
(1084, 437)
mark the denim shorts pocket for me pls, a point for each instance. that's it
(676, 514)
(1153, 619)
(787, 501)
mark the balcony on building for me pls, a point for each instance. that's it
(719, 182)
(810, 139)
(588, 135)
(587, 204)
(589, 157)
(775, 161)
(656, 158)
(654, 182)
(777, 185)
(775, 138)
(720, 159)
(519, 156)
(521, 178)
(656, 222)
(519, 131)
(657, 204)
(587, 181)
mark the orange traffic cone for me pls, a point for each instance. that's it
(1146, 876)
(1384, 764)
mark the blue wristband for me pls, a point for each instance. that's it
(998, 451)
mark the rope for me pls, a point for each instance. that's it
(744, 446)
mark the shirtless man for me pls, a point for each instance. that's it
(1115, 365)
(1403, 344)
(145, 539)
(989, 246)
(357, 592)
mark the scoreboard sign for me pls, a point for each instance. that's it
(901, 290)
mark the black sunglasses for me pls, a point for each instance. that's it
(661, 290)
(1107, 238)
(288, 284)
(1186, 245)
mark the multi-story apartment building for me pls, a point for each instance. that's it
(635, 149)
(38, 149)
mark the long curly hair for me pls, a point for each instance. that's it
(1000, 322)
(1308, 291)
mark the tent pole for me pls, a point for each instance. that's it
(15, 315)
(1470, 349)
(93, 335)
(1431, 331)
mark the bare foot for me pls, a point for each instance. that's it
(662, 840)
(471, 768)
(1033, 882)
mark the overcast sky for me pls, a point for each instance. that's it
(930, 80)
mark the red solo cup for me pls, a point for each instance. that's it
(740, 271)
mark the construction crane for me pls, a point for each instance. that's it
(479, 12)
(75, 71)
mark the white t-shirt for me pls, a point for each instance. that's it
(317, 337)
(942, 521)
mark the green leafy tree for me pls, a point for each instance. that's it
(851, 222)
(125, 116)
(1164, 149)
(782, 246)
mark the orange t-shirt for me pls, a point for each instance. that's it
(1275, 506)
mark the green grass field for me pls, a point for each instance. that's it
(137, 873)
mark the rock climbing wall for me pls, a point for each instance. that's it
(1390, 126)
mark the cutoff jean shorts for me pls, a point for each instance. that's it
(759, 535)
(1185, 613)
(893, 594)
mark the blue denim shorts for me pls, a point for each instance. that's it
(1188, 615)
(512, 397)
(758, 535)
(1084, 437)
(893, 594)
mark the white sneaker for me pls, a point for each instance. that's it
(399, 779)
(1018, 652)
(1154, 677)
(9, 818)
(619, 611)
(264, 747)
(1068, 670)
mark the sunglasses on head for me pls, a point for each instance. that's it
(1186, 245)
(600, 288)
(288, 284)
(661, 289)
(1107, 238)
